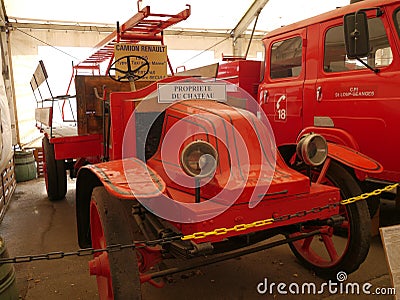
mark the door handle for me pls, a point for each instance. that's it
(265, 96)
(319, 94)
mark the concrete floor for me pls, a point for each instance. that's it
(34, 225)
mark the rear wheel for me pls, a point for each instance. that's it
(337, 250)
(116, 272)
(54, 172)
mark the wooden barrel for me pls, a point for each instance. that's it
(8, 286)
(25, 167)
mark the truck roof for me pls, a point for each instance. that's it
(329, 15)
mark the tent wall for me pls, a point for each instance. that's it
(7, 91)
(25, 57)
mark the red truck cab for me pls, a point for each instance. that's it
(309, 83)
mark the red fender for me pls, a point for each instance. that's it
(128, 178)
(335, 135)
(125, 179)
(353, 158)
(344, 148)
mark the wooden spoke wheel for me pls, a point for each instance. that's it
(116, 272)
(54, 172)
(337, 250)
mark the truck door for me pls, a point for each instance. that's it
(281, 92)
(352, 98)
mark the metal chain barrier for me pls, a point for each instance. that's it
(241, 227)
(87, 251)
(370, 194)
(194, 236)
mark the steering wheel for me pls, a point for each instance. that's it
(140, 64)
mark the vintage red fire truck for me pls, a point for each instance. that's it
(208, 184)
(310, 83)
(201, 175)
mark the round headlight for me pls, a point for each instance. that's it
(312, 149)
(199, 159)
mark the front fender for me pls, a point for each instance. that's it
(334, 135)
(125, 179)
(353, 159)
(344, 148)
(128, 178)
(361, 163)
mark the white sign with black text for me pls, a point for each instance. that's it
(171, 92)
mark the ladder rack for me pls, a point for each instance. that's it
(143, 26)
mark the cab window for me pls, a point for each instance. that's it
(335, 59)
(286, 58)
(397, 20)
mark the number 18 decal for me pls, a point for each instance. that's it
(281, 109)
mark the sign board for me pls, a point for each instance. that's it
(391, 244)
(147, 60)
(168, 93)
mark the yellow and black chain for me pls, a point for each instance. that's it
(194, 236)
(241, 227)
(364, 196)
(260, 223)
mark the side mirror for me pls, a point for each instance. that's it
(356, 35)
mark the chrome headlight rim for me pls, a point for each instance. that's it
(312, 149)
(206, 159)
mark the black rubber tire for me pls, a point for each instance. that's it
(56, 176)
(115, 225)
(359, 225)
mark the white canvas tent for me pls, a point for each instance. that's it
(206, 14)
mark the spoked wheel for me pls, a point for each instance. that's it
(116, 272)
(329, 179)
(54, 172)
(337, 250)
